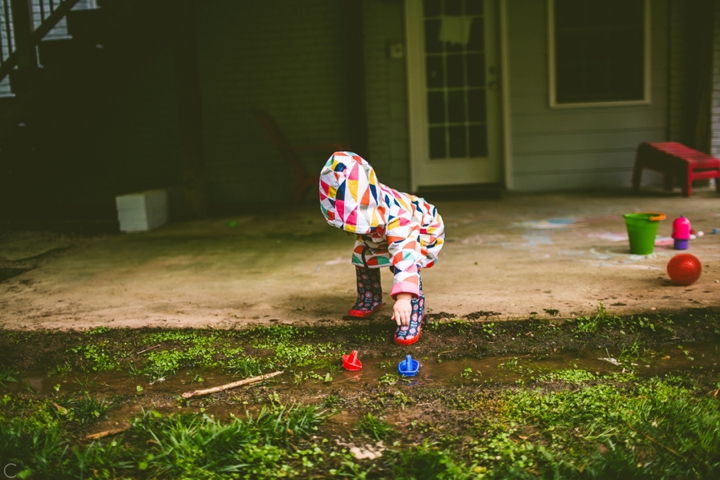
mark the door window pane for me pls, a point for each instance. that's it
(477, 108)
(476, 70)
(435, 72)
(473, 7)
(432, 36)
(476, 42)
(478, 140)
(458, 141)
(455, 70)
(436, 107)
(432, 8)
(455, 78)
(453, 7)
(437, 142)
(456, 106)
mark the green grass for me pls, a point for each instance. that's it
(160, 355)
(622, 428)
(33, 443)
(488, 329)
(571, 424)
(428, 461)
(98, 356)
(332, 402)
(375, 427)
(263, 445)
(568, 423)
(289, 348)
(8, 375)
(568, 375)
(97, 330)
(388, 379)
(459, 325)
(279, 347)
(198, 446)
(604, 320)
(163, 363)
(60, 369)
(245, 366)
(85, 410)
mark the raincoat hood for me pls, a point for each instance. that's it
(350, 196)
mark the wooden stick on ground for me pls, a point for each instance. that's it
(105, 433)
(147, 349)
(228, 386)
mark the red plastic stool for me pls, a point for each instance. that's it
(674, 159)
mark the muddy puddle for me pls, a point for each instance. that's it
(434, 372)
(346, 395)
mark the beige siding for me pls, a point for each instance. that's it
(690, 56)
(681, 124)
(579, 147)
(715, 106)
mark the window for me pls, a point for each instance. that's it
(599, 52)
(455, 78)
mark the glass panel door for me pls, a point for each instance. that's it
(453, 91)
(455, 78)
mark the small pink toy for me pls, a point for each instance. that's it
(681, 233)
(351, 362)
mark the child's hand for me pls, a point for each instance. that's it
(402, 309)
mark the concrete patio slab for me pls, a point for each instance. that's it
(520, 256)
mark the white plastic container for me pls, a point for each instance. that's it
(143, 211)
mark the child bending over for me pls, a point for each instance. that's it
(393, 229)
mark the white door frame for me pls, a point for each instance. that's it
(498, 125)
(505, 85)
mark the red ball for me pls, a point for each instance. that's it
(684, 269)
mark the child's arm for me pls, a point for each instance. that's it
(402, 309)
(405, 255)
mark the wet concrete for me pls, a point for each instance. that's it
(516, 256)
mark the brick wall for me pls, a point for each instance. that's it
(320, 67)
(286, 57)
(386, 93)
(137, 137)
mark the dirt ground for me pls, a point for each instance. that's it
(166, 363)
(521, 256)
(562, 398)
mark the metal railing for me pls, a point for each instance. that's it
(23, 24)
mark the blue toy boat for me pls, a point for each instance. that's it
(408, 367)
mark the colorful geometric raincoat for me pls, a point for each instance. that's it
(393, 229)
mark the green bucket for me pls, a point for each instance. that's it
(642, 229)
